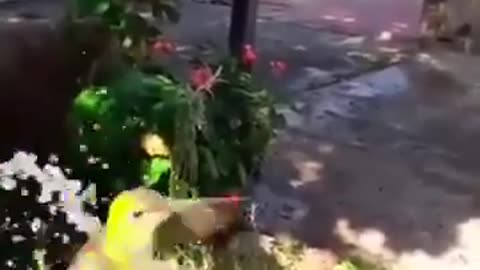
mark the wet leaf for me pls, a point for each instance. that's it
(88, 103)
(157, 168)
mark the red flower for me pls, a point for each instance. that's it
(164, 47)
(203, 79)
(278, 67)
(249, 57)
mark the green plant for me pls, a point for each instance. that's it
(239, 127)
(213, 141)
(213, 129)
(112, 123)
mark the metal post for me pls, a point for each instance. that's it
(242, 25)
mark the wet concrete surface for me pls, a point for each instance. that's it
(353, 16)
(386, 164)
(372, 17)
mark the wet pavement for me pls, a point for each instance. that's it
(386, 165)
(372, 17)
(353, 16)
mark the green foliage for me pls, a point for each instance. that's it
(154, 170)
(111, 121)
(214, 140)
(239, 128)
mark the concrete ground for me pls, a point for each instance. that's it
(354, 16)
(386, 165)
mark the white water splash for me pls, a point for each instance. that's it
(52, 180)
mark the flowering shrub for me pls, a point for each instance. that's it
(209, 134)
(142, 126)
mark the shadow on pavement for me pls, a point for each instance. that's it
(397, 181)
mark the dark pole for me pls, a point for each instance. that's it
(242, 25)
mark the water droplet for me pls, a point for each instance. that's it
(53, 209)
(91, 160)
(8, 183)
(24, 192)
(83, 148)
(18, 238)
(65, 238)
(53, 159)
(36, 224)
(10, 263)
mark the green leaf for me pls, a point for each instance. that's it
(157, 168)
(88, 102)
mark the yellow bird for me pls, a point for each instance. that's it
(142, 222)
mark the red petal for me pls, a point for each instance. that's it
(200, 76)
